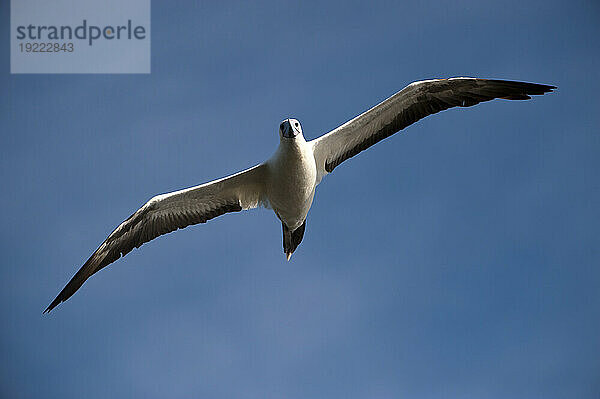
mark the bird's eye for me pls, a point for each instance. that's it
(296, 124)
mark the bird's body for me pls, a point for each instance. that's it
(291, 181)
(287, 181)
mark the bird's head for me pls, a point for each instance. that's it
(290, 129)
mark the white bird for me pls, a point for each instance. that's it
(286, 182)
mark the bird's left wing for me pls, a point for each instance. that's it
(168, 212)
(414, 102)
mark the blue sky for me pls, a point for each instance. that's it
(458, 259)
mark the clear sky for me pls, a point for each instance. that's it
(458, 259)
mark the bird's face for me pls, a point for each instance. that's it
(290, 128)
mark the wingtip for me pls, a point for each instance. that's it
(549, 88)
(52, 305)
(546, 89)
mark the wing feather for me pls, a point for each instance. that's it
(414, 102)
(168, 212)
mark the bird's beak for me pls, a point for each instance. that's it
(287, 130)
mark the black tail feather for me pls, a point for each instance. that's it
(291, 239)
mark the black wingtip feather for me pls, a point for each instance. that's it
(532, 89)
(52, 305)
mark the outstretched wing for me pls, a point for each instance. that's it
(168, 212)
(414, 102)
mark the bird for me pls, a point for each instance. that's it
(287, 181)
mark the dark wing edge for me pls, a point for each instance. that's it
(414, 102)
(169, 212)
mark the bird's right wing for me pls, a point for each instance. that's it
(168, 212)
(414, 102)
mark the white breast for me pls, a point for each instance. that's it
(292, 180)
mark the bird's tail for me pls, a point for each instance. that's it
(291, 239)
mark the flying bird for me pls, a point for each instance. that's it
(286, 182)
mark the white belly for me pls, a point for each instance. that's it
(291, 185)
